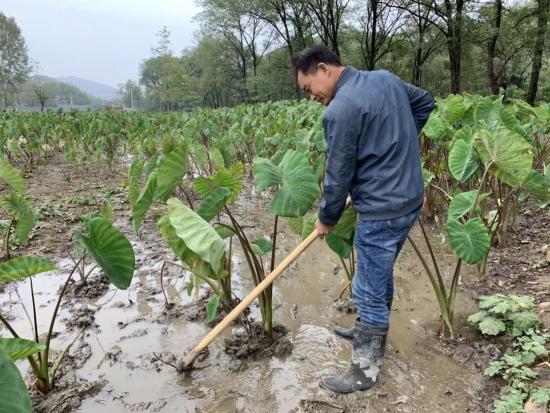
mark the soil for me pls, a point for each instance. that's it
(253, 342)
(130, 341)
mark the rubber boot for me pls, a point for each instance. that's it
(347, 332)
(369, 344)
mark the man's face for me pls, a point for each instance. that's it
(319, 85)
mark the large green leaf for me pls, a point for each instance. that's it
(18, 348)
(195, 263)
(509, 154)
(23, 267)
(298, 186)
(170, 172)
(266, 174)
(470, 241)
(454, 107)
(341, 239)
(197, 234)
(435, 128)
(20, 209)
(13, 392)
(213, 203)
(296, 225)
(460, 160)
(143, 202)
(486, 113)
(461, 204)
(231, 178)
(134, 175)
(111, 250)
(261, 246)
(11, 177)
(536, 184)
(509, 120)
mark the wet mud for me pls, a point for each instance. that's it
(129, 342)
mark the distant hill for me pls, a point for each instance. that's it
(95, 89)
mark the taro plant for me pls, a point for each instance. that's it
(22, 216)
(489, 163)
(114, 255)
(14, 397)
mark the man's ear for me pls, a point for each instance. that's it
(323, 67)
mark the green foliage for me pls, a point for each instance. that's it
(197, 234)
(13, 392)
(18, 348)
(501, 313)
(23, 267)
(110, 249)
(297, 185)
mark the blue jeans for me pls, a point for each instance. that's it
(378, 244)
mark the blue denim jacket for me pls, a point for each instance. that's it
(371, 127)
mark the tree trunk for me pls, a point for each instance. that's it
(542, 22)
(454, 41)
(492, 73)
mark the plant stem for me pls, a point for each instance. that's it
(7, 239)
(54, 316)
(162, 284)
(274, 244)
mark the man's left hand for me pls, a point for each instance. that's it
(323, 229)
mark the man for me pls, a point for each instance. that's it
(371, 123)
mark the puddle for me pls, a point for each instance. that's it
(129, 333)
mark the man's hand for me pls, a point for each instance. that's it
(323, 229)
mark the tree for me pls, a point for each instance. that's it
(378, 23)
(542, 23)
(132, 95)
(39, 88)
(14, 59)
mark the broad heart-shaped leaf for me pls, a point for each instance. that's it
(298, 190)
(231, 178)
(460, 160)
(487, 113)
(309, 225)
(20, 209)
(536, 185)
(212, 307)
(266, 174)
(170, 172)
(470, 241)
(195, 263)
(14, 397)
(509, 154)
(341, 239)
(18, 348)
(213, 203)
(461, 204)
(261, 246)
(23, 267)
(454, 108)
(134, 175)
(111, 250)
(197, 234)
(509, 120)
(144, 201)
(296, 225)
(435, 128)
(216, 158)
(11, 177)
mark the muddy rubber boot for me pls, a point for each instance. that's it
(347, 332)
(369, 344)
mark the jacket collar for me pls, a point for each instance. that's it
(344, 77)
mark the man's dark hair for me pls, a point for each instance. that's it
(307, 60)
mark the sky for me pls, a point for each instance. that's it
(100, 40)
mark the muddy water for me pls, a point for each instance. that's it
(130, 331)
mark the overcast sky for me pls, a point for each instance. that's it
(99, 40)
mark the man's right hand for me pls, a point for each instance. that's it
(323, 229)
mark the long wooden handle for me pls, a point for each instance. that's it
(249, 298)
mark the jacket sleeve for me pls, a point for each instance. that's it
(422, 104)
(342, 130)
